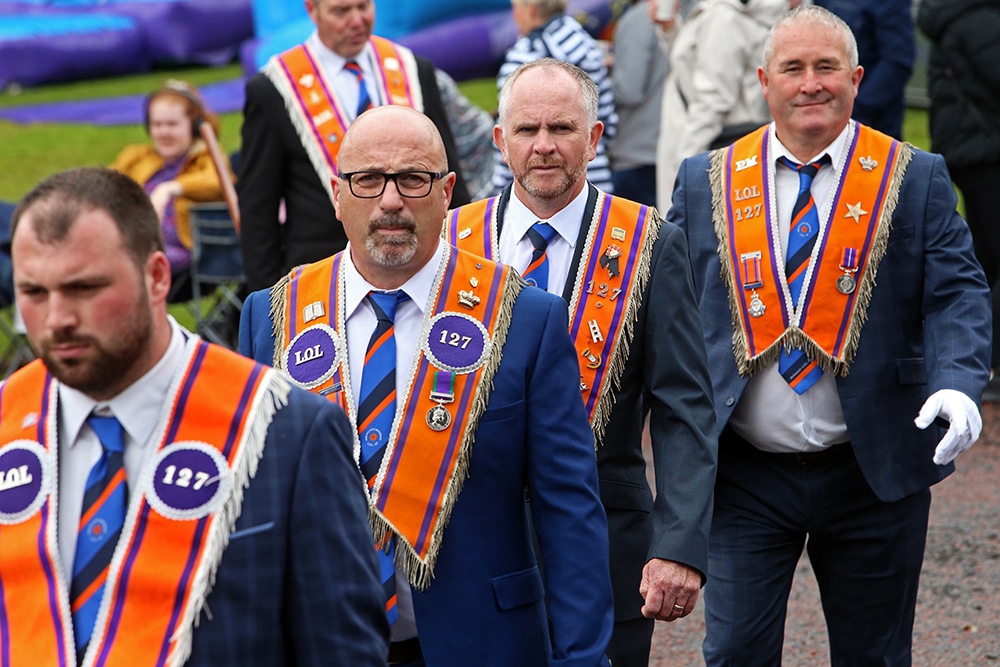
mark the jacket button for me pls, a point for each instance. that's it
(729, 401)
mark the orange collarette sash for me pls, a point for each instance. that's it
(853, 235)
(318, 114)
(607, 289)
(427, 456)
(205, 450)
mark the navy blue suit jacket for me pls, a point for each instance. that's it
(928, 324)
(489, 603)
(299, 582)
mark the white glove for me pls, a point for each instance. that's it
(963, 416)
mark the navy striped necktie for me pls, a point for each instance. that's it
(364, 100)
(376, 412)
(101, 519)
(799, 371)
(541, 235)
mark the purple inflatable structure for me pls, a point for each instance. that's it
(467, 39)
(45, 41)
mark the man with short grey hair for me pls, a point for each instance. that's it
(847, 323)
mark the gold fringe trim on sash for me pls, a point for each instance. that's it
(272, 395)
(794, 336)
(744, 364)
(277, 312)
(420, 573)
(867, 282)
(619, 356)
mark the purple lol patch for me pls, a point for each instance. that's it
(189, 479)
(456, 343)
(21, 476)
(311, 359)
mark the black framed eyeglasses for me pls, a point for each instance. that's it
(413, 184)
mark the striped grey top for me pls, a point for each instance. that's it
(565, 39)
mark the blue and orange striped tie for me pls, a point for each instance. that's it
(799, 371)
(101, 521)
(364, 100)
(376, 411)
(540, 234)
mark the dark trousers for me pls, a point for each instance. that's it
(866, 554)
(630, 642)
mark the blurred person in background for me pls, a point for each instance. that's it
(637, 77)
(712, 96)
(547, 32)
(964, 87)
(886, 49)
(175, 169)
(297, 109)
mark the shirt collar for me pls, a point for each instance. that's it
(332, 62)
(138, 407)
(835, 150)
(566, 221)
(418, 287)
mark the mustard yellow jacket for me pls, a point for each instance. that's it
(197, 177)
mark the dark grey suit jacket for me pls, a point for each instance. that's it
(666, 379)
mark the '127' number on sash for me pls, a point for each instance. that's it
(184, 476)
(454, 339)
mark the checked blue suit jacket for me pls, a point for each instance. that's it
(299, 583)
(490, 604)
(928, 328)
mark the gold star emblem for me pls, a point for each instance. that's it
(855, 211)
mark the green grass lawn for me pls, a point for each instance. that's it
(29, 153)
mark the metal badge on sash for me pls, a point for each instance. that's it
(609, 260)
(313, 356)
(26, 475)
(752, 279)
(456, 342)
(846, 283)
(442, 391)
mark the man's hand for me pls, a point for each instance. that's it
(670, 589)
(965, 422)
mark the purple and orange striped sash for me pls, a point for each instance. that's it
(316, 112)
(205, 450)
(468, 316)
(607, 289)
(855, 231)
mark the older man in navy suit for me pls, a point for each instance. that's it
(844, 314)
(463, 385)
(163, 500)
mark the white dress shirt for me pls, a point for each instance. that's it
(360, 323)
(139, 408)
(516, 247)
(770, 415)
(345, 83)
